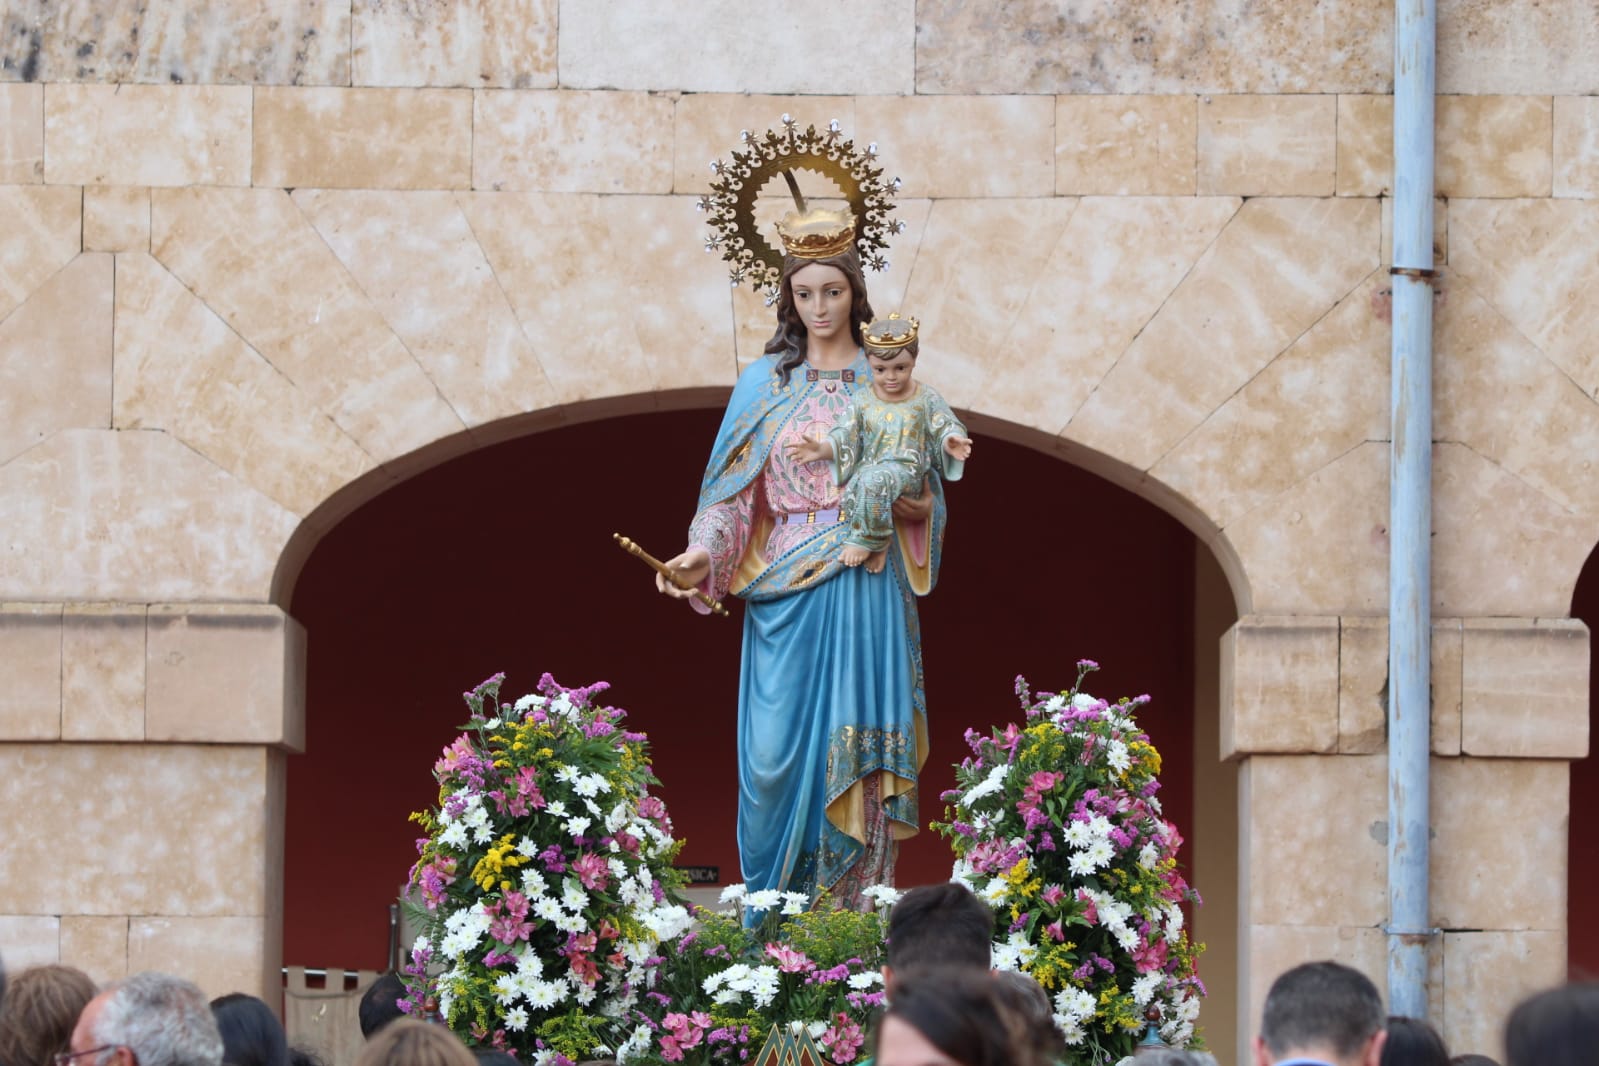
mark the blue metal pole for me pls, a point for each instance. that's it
(1410, 510)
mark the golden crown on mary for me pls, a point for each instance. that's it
(814, 233)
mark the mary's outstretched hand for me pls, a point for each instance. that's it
(691, 567)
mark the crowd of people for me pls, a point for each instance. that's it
(946, 1007)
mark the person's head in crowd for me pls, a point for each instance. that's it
(379, 1003)
(1557, 1027)
(1473, 1060)
(938, 925)
(38, 1013)
(1324, 1011)
(251, 1033)
(1412, 1042)
(950, 1016)
(493, 1056)
(150, 1019)
(1027, 1001)
(412, 1042)
(1170, 1056)
(301, 1056)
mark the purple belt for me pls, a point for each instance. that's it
(809, 518)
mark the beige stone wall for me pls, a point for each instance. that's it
(255, 269)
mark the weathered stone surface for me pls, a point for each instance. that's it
(300, 42)
(1576, 148)
(566, 141)
(169, 135)
(66, 326)
(734, 45)
(1279, 686)
(1328, 391)
(1498, 968)
(1448, 665)
(30, 659)
(1487, 377)
(1006, 143)
(225, 673)
(1126, 145)
(1334, 875)
(1536, 262)
(30, 940)
(1365, 145)
(508, 44)
(43, 231)
(706, 127)
(1363, 685)
(590, 344)
(221, 954)
(1109, 272)
(1494, 146)
(1525, 688)
(1267, 145)
(1476, 830)
(1500, 546)
(417, 259)
(363, 138)
(116, 218)
(1208, 46)
(1194, 354)
(1322, 545)
(256, 260)
(210, 799)
(21, 134)
(1520, 46)
(102, 673)
(97, 945)
(181, 369)
(974, 270)
(134, 516)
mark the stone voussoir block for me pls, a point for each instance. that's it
(1279, 686)
(1524, 688)
(225, 673)
(1278, 145)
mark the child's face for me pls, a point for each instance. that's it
(892, 371)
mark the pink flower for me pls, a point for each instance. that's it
(669, 1049)
(1151, 956)
(843, 1039)
(592, 870)
(454, 755)
(1053, 894)
(1044, 780)
(788, 960)
(1054, 930)
(1090, 911)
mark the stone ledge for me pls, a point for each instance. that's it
(225, 673)
(1279, 686)
(1524, 688)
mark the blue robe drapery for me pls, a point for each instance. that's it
(830, 687)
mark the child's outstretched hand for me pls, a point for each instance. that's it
(958, 447)
(810, 449)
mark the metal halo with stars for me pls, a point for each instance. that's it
(731, 202)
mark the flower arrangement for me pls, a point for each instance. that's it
(1055, 823)
(545, 880)
(726, 983)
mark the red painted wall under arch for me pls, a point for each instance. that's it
(502, 560)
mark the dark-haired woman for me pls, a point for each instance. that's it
(251, 1033)
(831, 724)
(952, 1017)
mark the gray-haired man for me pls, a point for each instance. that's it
(150, 1019)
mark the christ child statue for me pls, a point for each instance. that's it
(888, 441)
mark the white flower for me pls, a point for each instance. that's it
(616, 819)
(668, 922)
(713, 982)
(637, 1043)
(547, 994)
(556, 809)
(582, 993)
(990, 784)
(1055, 703)
(1148, 855)
(1144, 988)
(1075, 1004)
(563, 706)
(483, 834)
(1099, 827)
(578, 826)
(1080, 864)
(528, 967)
(454, 836)
(592, 786)
(527, 847)
(995, 892)
(1083, 701)
(764, 990)
(593, 808)
(738, 977)
(816, 1029)
(860, 982)
(527, 703)
(764, 900)
(732, 894)
(1116, 754)
(1174, 921)
(1126, 938)
(516, 1019)
(1077, 835)
(727, 995)
(573, 898)
(883, 895)
(533, 883)
(1100, 853)
(548, 908)
(795, 903)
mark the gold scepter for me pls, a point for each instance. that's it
(661, 568)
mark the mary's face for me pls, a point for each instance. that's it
(823, 298)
